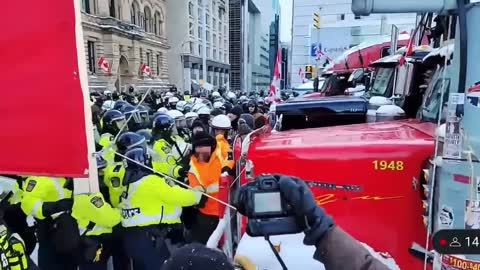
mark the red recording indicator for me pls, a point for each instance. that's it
(442, 242)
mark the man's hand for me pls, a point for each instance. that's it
(299, 196)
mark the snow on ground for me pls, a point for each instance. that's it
(293, 252)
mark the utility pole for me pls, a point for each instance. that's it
(204, 41)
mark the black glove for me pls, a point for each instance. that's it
(50, 208)
(299, 196)
(183, 172)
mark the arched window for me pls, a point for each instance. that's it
(156, 29)
(134, 13)
(147, 25)
(161, 24)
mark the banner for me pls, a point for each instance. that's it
(42, 110)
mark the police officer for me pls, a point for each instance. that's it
(148, 205)
(96, 219)
(180, 124)
(113, 179)
(48, 199)
(113, 121)
(163, 143)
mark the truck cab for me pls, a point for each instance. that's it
(368, 176)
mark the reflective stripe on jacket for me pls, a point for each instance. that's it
(207, 175)
(151, 200)
(40, 189)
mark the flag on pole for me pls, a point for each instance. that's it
(409, 49)
(276, 77)
(103, 64)
(146, 69)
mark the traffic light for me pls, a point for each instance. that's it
(316, 20)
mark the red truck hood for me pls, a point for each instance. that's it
(379, 206)
(361, 135)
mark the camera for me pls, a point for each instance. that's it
(267, 211)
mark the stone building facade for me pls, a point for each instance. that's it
(126, 33)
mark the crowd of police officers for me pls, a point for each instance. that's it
(160, 157)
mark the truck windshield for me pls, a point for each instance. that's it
(382, 79)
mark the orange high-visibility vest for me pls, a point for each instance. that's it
(207, 175)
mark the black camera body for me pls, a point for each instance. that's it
(267, 211)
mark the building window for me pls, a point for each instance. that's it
(214, 23)
(190, 44)
(86, 6)
(341, 17)
(91, 56)
(147, 21)
(134, 12)
(225, 30)
(159, 62)
(208, 36)
(190, 8)
(148, 59)
(158, 23)
(219, 26)
(200, 31)
(207, 19)
(214, 40)
(357, 17)
(112, 8)
(199, 16)
(141, 55)
(200, 52)
(215, 54)
(220, 13)
(220, 56)
(208, 51)
(191, 28)
(199, 3)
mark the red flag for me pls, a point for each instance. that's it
(276, 76)
(146, 69)
(42, 108)
(103, 64)
(410, 45)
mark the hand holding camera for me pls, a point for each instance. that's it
(279, 204)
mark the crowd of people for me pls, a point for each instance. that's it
(159, 159)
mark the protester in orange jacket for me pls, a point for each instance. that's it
(205, 169)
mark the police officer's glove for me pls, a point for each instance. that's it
(183, 172)
(299, 196)
(51, 208)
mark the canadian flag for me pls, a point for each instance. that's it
(103, 64)
(146, 69)
(272, 94)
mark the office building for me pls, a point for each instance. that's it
(194, 26)
(250, 45)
